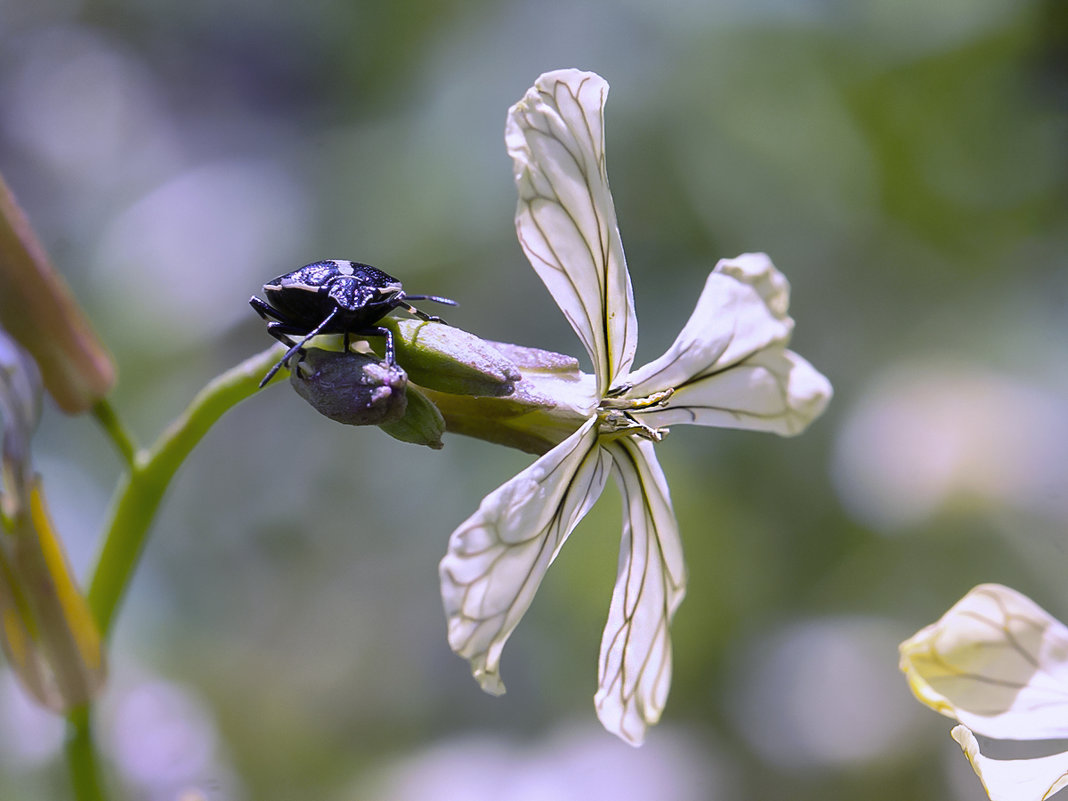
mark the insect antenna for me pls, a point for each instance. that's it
(435, 298)
(422, 315)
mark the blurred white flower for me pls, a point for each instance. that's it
(570, 765)
(932, 436)
(30, 736)
(998, 663)
(163, 741)
(81, 103)
(819, 692)
(219, 223)
(729, 367)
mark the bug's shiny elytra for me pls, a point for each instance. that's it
(333, 297)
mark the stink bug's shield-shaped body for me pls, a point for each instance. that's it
(333, 297)
(358, 295)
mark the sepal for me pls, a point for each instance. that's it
(422, 423)
(449, 359)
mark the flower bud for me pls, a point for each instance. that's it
(351, 388)
(20, 409)
(46, 630)
(552, 400)
(449, 359)
(37, 308)
(48, 635)
(422, 423)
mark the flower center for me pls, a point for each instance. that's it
(616, 419)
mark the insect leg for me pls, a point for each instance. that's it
(264, 309)
(379, 331)
(284, 332)
(298, 346)
(391, 356)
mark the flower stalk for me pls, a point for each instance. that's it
(141, 490)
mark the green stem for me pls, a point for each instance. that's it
(133, 510)
(106, 416)
(139, 493)
(82, 763)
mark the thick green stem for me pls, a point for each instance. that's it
(138, 496)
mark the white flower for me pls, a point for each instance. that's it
(729, 367)
(997, 663)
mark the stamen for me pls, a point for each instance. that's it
(617, 423)
(611, 401)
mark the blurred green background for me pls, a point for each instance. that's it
(903, 163)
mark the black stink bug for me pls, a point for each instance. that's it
(333, 297)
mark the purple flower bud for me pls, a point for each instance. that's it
(351, 388)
